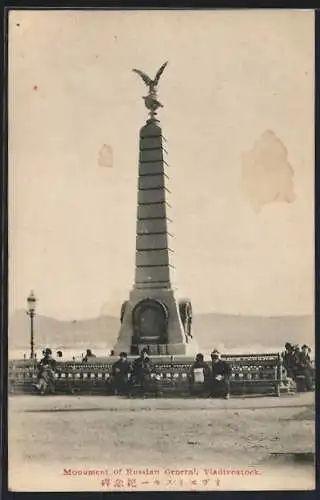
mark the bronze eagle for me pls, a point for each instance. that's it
(147, 80)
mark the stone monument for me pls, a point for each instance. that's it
(153, 317)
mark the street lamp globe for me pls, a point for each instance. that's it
(31, 302)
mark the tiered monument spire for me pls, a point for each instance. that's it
(152, 316)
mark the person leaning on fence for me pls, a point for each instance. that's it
(199, 374)
(141, 370)
(121, 370)
(220, 376)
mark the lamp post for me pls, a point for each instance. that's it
(31, 300)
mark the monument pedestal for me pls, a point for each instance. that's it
(171, 340)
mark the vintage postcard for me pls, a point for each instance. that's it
(161, 250)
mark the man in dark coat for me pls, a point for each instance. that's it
(47, 361)
(289, 359)
(46, 370)
(220, 376)
(305, 355)
(304, 367)
(199, 375)
(141, 370)
(121, 370)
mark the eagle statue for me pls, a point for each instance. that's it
(151, 100)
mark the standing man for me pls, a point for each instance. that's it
(305, 356)
(288, 359)
(199, 375)
(221, 373)
(121, 370)
(305, 367)
(141, 370)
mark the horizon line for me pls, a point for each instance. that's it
(206, 313)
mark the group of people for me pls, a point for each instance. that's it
(297, 362)
(59, 355)
(122, 372)
(47, 367)
(214, 381)
(125, 376)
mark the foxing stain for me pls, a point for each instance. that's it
(267, 176)
(105, 156)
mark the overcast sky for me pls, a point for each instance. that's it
(231, 76)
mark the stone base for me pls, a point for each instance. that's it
(188, 349)
(178, 343)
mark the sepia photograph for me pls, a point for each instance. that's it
(161, 250)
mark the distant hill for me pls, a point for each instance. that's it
(50, 331)
(210, 330)
(248, 331)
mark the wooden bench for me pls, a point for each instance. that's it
(251, 374)
(257, 373)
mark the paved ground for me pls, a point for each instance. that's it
(274, 436)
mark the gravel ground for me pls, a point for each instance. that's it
(49, 434)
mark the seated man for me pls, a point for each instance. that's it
(46, 370)
(121, 370)
(221, 373)
(199, 375)
(141, 370)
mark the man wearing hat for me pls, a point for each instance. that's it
(47, 359)
(199, 375)
(141, 370)
(305, 356)
(121, 370)
(220, 373)
(46, 369)
(289, 359)
(304, 367)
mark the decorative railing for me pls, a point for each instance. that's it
(252, 373)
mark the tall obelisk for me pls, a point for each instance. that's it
(152, 316)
